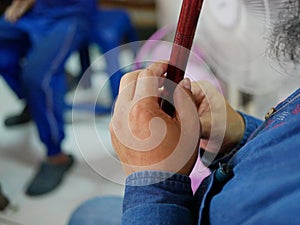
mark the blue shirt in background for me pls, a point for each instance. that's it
(65, 7)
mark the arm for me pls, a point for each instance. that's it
(17, 9)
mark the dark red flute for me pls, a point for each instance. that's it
(184, 36)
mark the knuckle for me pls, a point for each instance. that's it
(149, 72)
(140, 113)
(125, 77)
(137, 109)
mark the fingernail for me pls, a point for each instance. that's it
(186, 83)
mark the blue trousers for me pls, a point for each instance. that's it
(102, 210)
(33, 53)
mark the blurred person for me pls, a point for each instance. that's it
(254, 167)
(36, 38)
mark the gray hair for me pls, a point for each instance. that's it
(284, 41)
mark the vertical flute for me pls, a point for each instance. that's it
(184, 36)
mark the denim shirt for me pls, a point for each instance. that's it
(264, 187)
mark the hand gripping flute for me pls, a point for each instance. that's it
(184, 36)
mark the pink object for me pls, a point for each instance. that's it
(198, 174)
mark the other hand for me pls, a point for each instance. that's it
(222, 126)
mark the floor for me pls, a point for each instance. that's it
(96, 172)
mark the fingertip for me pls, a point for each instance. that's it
(158, 68)
(186, 83)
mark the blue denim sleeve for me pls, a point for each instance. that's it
(251, 124)
(155, 197)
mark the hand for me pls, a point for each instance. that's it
(146, 138)
(222, 126)
(17, 9)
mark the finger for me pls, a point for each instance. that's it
(199, 90)
(183, 100)
(126, 92)
(148, 82)
(127, 85)
(187, 116)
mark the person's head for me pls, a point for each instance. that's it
(285, 38)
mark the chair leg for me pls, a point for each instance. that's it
(113, 70)
(85, 63)
(112, 54)
(109, 46)
(115, 83)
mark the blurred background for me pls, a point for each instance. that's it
(229, 50)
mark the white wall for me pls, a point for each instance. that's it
(167, 11)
